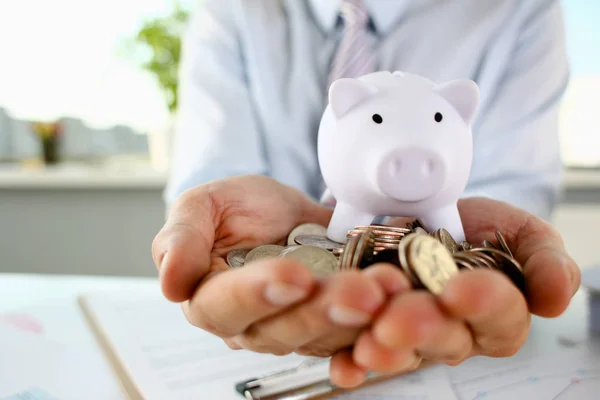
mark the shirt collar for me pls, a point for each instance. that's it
(383, 12)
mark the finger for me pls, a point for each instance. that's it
(324, 346)
(493, 307)
(227, 303)
(390, 278)
(552, 276)
(408, 320)
(181, 250)
(370, 355)
(347, 300)
(343, 372)
(416, 321)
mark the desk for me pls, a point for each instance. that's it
(50, 298)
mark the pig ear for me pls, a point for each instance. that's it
(346, 93)
(463, 95)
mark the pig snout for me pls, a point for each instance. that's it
(411, 174)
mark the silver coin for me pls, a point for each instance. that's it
(261, 252)
(236, 258)
(317, 241)
(306, 229)
(320, 261)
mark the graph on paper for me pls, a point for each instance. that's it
(569, 376)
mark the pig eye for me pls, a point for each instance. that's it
(377, 118)
(438, 117)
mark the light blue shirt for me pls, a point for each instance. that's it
(253, 87)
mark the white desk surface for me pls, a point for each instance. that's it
(24, 290)
(48, 293)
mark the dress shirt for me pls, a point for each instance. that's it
(253, 87)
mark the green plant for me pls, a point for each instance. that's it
(163, 38)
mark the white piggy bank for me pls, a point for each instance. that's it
(396, 144)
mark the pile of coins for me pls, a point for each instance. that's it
(429, 259)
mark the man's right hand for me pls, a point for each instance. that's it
(275, 306)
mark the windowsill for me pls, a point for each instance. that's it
(143, 176)
(82, 176)
(582, 179)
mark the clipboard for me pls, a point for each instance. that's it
(307, 381)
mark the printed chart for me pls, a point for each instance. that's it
(573, 376)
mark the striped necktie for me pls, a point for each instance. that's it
(354, 56)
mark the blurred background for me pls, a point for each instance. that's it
(87, 98)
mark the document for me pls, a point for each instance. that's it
(160, 356)
(572, 374)
(48, 352)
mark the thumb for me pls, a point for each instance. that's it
(181, 250)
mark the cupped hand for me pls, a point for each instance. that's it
(275, 306)
(480, 312)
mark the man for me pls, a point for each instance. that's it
(253, 88)
(255, 77)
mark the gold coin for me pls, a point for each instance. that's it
(432, 262)
(261, 252)
(403, 259)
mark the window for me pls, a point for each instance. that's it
(580, 114)
(73, 58)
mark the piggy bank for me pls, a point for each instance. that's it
(397, 144)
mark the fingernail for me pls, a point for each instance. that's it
(348, 316)
(283, 294)
(574, 275)
(572, 270)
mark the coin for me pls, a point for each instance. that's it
(502, 243)
(288, 248)
(432, 262)
(420, 231)
(465, 258)
(318, 241)
(306, 229)
(363, 254)
(463, 246)
(463, 263)
(447, 240)
(320, 261)
(237, 257)
(385, 228)
(266, 251)
(483, 259)
(511, 267)
(412, 226)
(345, 261)
(403, 258)
(487, 244)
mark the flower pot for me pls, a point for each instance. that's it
(50, 150)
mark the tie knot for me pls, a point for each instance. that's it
(354, 12)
